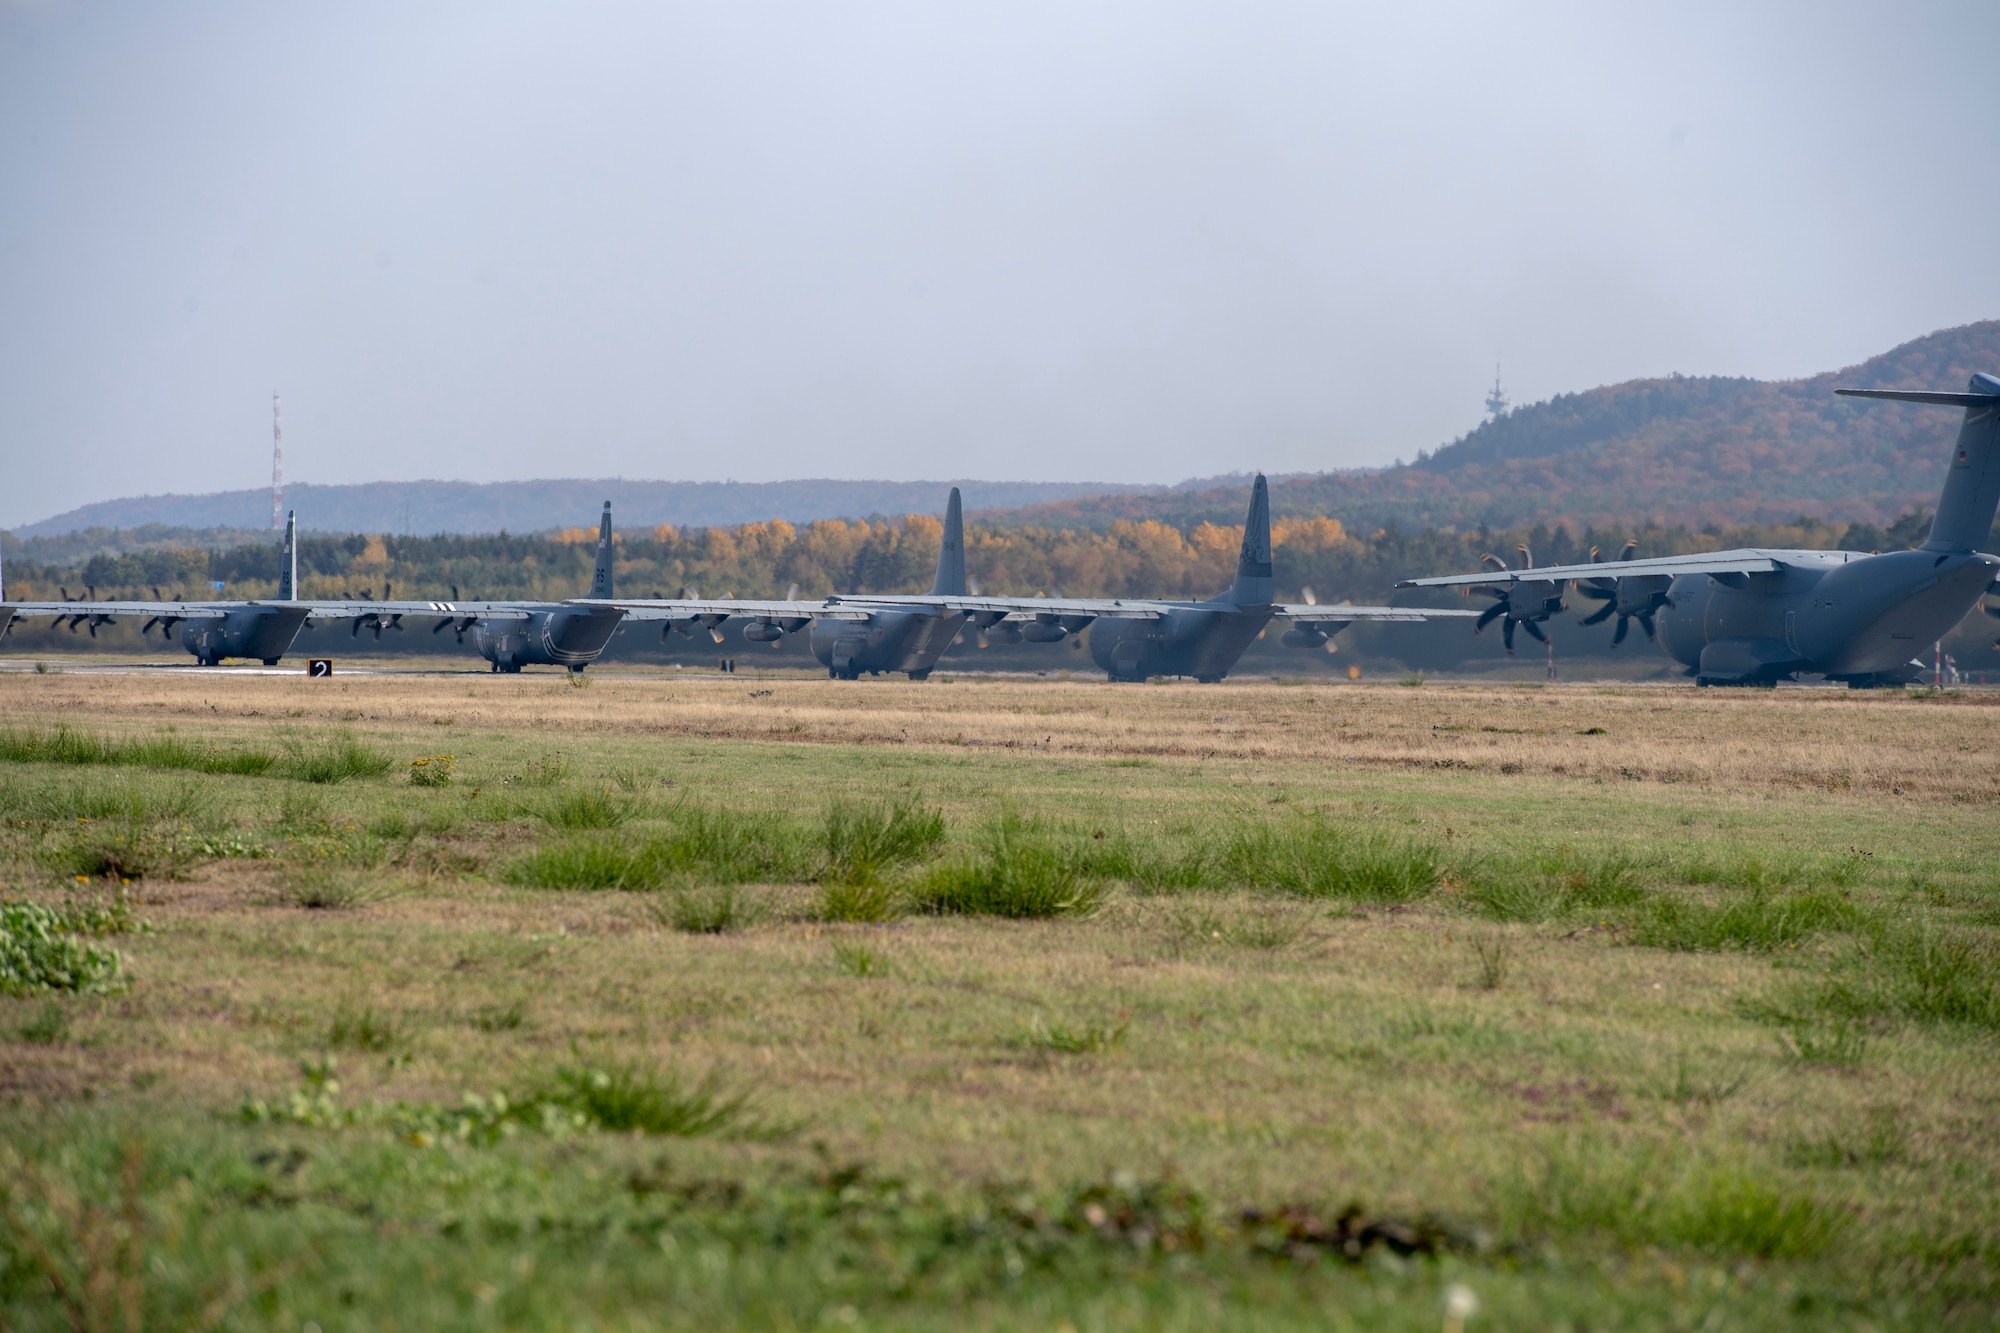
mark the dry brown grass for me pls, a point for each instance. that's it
(1931, 748)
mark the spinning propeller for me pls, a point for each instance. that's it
(1521, 601)
(1635, 597)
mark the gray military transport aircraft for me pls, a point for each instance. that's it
(1139, 638)
(215, 630)
(1755, 617)
(508, 634)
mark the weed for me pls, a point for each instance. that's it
(63, 746)
(1552, 886)
(1062, 1039)
(303, 812)
(714, 910)
(1269, 931)
(861, 841)
(509, 1017)
(358, 1025)
(633, 780)
(1691, 1085)
(581, 863)
(47, 1028)
(39, 951)
(868, 902)
(1015, 875)
(1758, 921)
(1313, 860)
(632, 1098)
(1495, 955)
(1734, 1212)
(433, 770)
(1880, 1140)
(128, 853)
(323, 888)
(546, 771)
(724, 846)
(145, 802)
(324, 760)
(856, 959)
(588, 810)
(1840, 1044)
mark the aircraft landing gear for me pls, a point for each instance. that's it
(576, 669)
(270, 661)
(925, 674)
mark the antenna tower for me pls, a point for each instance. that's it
(277, 466)
(1496, 400)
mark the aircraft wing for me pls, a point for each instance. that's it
(1309, 615)
(102, 610)
(1715, 562)
(1108, 608)
(715, 610)
(361, 608)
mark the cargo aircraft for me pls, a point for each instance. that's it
(1137, 639)
(508, 634)
(1755, 617)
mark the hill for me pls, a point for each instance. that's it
(1676, 451)
(536, 506)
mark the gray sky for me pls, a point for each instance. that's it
(1053, 241)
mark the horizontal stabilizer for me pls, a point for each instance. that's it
(1921, 396)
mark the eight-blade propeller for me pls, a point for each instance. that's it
(1631, 598)
(1521, 602)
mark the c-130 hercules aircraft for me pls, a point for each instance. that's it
(1137, 639)
(1755, 617)
(508, 634)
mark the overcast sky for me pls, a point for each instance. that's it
(1134, 242)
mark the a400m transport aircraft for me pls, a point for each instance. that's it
(1140, 638)
(1755, 617)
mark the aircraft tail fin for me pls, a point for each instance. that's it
(288, 568)
(1971, 493)
(600, 579)
(1253, 566)
(950, 581)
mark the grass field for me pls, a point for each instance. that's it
(666, 1001)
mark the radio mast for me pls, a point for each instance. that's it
(1496, 400)
(277, 466)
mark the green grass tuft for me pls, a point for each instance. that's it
(630, 1098)
(715, 909)
(325, 760)
(581, 863)
(861, 841)
(1314, 860)
(1016, 874)
(579, 810)
(1758, 921)
(64, 746)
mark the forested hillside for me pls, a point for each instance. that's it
(536, 506)
(1677, 451)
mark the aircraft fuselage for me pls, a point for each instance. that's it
(1832, 613)
(264, 632)
(1194, 640)
(570, 637)
(908, 641)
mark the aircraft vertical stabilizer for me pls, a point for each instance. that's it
(1972, 479)
(1972, 483)
(950, 581)
(600, 579)
(288, 568)
(1253, 567)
